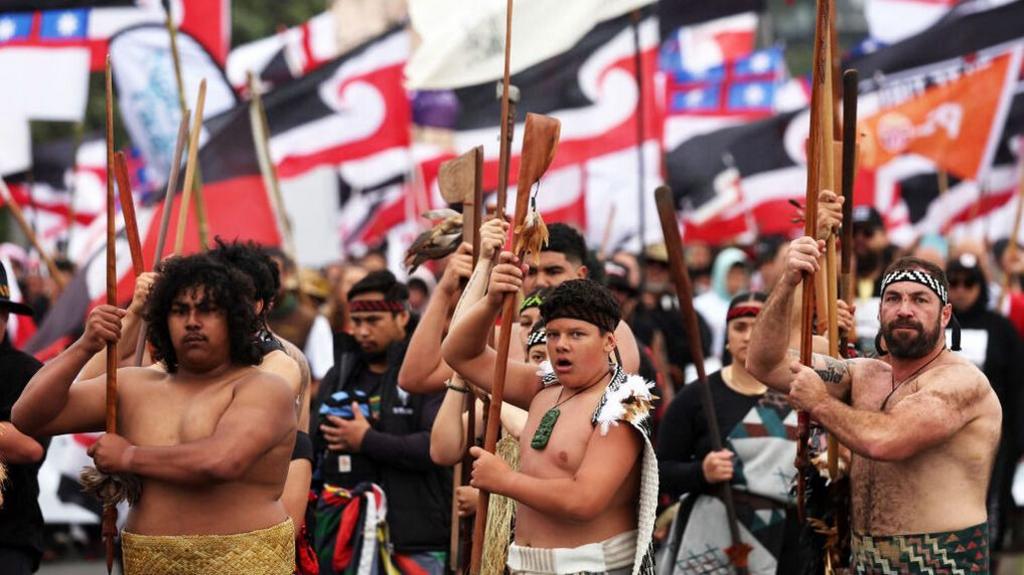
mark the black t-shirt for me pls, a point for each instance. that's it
(349, 469)
(21, 521)
(684, 439)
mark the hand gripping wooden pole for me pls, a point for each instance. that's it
(540, 141)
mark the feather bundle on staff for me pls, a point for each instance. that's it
(443, 238)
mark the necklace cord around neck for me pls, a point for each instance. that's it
(916, 373)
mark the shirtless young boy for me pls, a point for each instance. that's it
(922, 422)
(210, 438)
(586, 465)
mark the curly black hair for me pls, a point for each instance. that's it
(585, 300)
(225, 286)
(253, 260)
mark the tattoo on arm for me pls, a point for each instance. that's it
(830, 370)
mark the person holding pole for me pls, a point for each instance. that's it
(758, 428)
(923, 423)
(210, 437)
(588, 477)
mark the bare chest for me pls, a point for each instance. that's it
(567, 428)
(170, 414)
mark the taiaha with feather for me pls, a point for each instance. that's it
(165, 219)
(190, 170)
(540, 141)
(738, 550)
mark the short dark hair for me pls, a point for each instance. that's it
(254, 261)
(585, 300)
(226, 287)
(564, 239)
(382, 282)
(911, 263)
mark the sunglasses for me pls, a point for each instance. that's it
(963, 282)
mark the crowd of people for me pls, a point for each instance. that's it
(316, 421)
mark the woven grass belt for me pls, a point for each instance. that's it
(269, 551)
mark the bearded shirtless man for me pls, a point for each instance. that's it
(587, 468)
(210, 438)
(922, 422)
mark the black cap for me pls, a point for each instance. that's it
(867, 216)
(5, 297)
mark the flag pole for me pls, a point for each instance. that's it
(190, 170)
(172, 31)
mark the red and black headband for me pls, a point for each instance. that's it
(376, 305)
(742, 311)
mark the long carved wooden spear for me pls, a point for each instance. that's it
(817, 146)
(109, 523)
(540, 141)
(738, 550)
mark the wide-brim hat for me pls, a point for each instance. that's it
(5, 297)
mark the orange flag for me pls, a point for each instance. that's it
(954, 121)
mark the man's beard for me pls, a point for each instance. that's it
(914, 347)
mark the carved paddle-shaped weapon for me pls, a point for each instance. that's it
(540, 141)
(738, 550)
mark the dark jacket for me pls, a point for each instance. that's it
(395, 451)
(21, 521)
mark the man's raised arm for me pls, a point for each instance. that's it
(423, 370)
(465, 348)
(50, 405)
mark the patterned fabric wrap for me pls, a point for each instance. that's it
(963, 552)
(919, 277)
(351, 536)
(269, 551)
(764, 442)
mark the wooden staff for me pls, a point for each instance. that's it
(540, 140)
(815, 151)
(165, 219)
(261, 139)
(738, 550)
(190, 169)
(507, 116)
(109, 523)
(26, 229)
(172, 32)
(131, 227)
(849, 174)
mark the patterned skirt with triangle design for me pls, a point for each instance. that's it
(963, 552)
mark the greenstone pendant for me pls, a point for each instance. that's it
(544, 429)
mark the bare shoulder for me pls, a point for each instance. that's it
(281, 364)
(961, 384)
(254, 383)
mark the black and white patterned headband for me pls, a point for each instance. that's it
(918, 277)
(537, 337)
